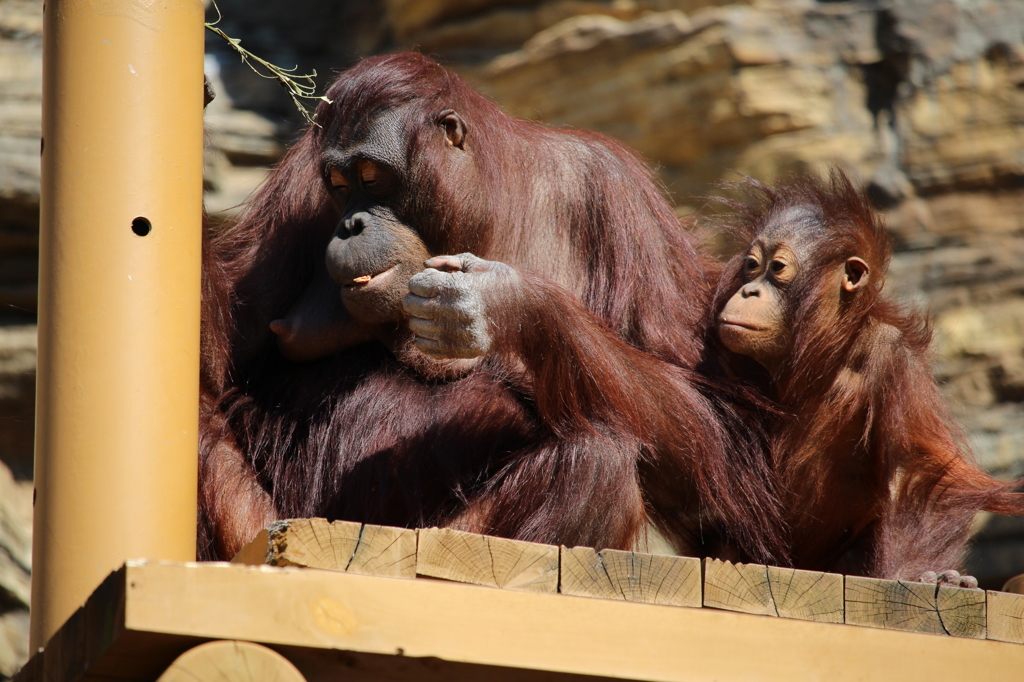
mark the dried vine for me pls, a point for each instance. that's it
(299, 86)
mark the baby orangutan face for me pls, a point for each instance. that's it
(754, 322)
(757, 320)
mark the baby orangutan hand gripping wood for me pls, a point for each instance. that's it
(874, 476)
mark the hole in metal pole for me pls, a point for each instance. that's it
(141, 226)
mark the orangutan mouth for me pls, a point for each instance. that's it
(742, 325)
(366, 281)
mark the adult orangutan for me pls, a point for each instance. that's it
(433, 313)
(874, 476)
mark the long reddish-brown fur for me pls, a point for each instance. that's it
(584, 425)
(874, 473)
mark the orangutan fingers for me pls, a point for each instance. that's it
(429, 282)
(425, 328)
(417, 306)
(447, 349)
(444, 263)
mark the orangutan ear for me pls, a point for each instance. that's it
(454, 127)
(856, 275)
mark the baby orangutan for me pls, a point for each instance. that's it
(874, 476)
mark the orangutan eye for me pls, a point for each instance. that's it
(377, 180)
(368, 172)
(777, 266)
(338, 181)
(750, 264)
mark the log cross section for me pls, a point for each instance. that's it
(1006, 617)
(772, 591)
(485, 560)
(631, 576)
(446, 554)
(341, 546)
(916, 607)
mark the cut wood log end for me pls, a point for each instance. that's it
(962, 611)
(631, 576)
(773, 591)
(1005, 616)
(485, 560)
(807, 595)
(737, 587)
(339, 545)
(892, 605)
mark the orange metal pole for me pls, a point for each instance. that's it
(117, 387)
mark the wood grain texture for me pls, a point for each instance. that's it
(807, 595)
(340, 546)
(1005, 617)
(630, 576)
(230, 661)
(916, 607)
(455, 622)
(737, 587)
(962, 611)
(772, 591)
(147, 614)
(485, 560)
(892, 604)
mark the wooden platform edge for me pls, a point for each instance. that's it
(146, 614)
(441, 553)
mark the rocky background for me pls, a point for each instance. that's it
(922, 100)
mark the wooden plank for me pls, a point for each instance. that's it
(630, 576)
(259, 551)
(1005, 617)
(892, 604)
(230, 661)
(807, 595)
(961, 611)
(485, 560)
(737, 587)
(438, 627)
(340, 546)
(319, 665)
(773, 591)
(450, 621)
(89, 632)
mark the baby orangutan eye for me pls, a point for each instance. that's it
(750, 264)
(777, 266)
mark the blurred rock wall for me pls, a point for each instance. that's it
(20, 128)
(922, 100)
